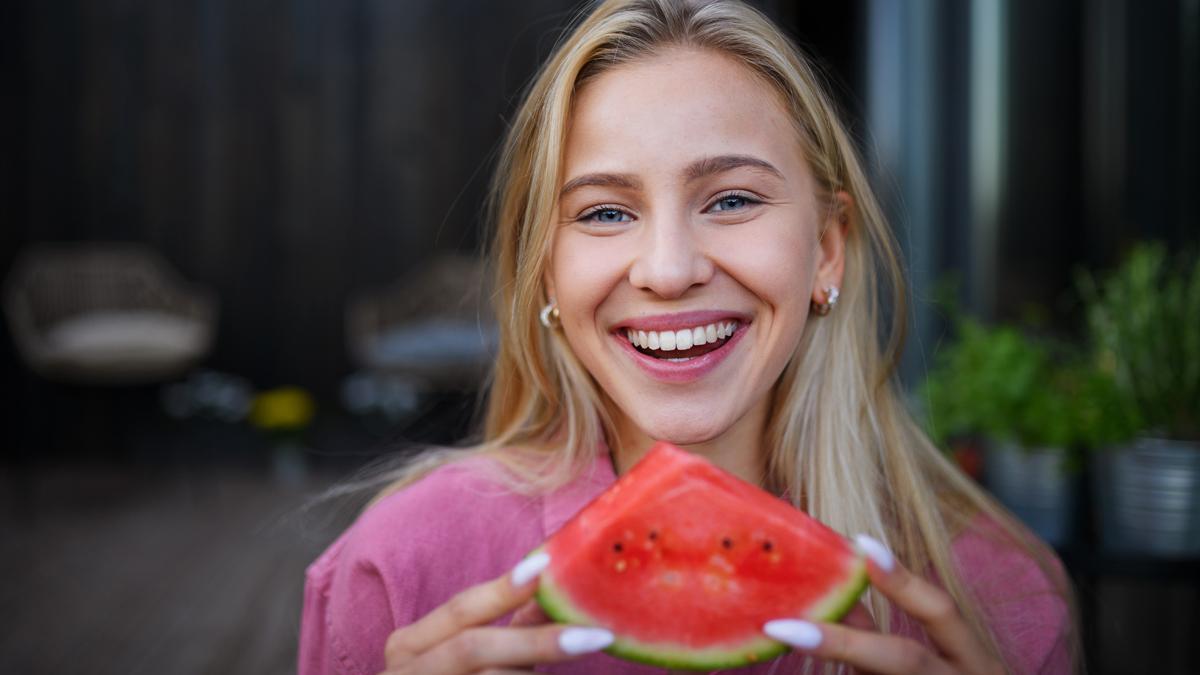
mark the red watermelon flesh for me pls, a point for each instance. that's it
(685, 563)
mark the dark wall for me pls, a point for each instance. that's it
(290, 152)
(284, 153)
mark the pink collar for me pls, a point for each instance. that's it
(559, 506)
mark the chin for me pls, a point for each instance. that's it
(683, 430)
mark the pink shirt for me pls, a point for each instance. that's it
(415, 549)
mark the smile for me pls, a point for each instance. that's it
(681, 348)
(683, 344)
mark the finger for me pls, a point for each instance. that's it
(859, 617)
(529, 614)
(933, 607)
(864, 650)
(475, 606)
(490, 647)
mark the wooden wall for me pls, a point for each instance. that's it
(285, 153)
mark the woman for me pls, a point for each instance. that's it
(686, 249)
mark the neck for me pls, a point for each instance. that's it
(739, 449)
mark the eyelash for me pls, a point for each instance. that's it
(596, 210)
(750, 200)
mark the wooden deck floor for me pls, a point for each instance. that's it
(124, 572)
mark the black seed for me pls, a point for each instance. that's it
(767, 546)
(727, 542)
(653, 535)
(618, 547)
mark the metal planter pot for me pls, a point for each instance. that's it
(1147, 498)
(1033, 484)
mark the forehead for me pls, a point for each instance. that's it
(680, 104)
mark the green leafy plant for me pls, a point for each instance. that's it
(999, 384)
(1144, 326)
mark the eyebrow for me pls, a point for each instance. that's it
(701, 168)
(620, 180)
(709, 166)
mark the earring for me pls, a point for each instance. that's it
(549, 315)
(831, 298)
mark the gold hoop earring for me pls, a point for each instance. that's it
(549, 316)
(831, 298)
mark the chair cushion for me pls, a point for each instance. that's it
(112, 344)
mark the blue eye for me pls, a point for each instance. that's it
(605, 216)
(732, 202)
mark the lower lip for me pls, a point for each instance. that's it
(681, 371)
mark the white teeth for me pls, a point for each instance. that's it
(685, 338)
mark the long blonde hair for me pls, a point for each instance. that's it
(841, 444)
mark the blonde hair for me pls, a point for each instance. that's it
(841, 444)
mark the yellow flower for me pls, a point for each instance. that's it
(282, 409)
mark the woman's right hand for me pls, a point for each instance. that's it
(456, 638)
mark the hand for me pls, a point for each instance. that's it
(456, 639)
(860, 645)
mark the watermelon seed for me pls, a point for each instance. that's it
(653, 535)
(618, 547)
(767, 546)
(727, 542)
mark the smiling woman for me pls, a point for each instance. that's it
(677, 212)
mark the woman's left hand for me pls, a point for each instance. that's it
(857, 643)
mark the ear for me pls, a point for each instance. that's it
(548, 284)
(831, 247)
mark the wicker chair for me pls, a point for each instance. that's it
(434, 325)
(106, 314)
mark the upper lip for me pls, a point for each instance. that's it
(676, 321)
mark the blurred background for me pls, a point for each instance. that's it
(240, 246)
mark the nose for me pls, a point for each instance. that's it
(670, 259)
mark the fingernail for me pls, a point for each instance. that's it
(529, 568)
(876, 551)
(584, 640)
(797, 633)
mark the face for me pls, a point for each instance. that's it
(688, 244)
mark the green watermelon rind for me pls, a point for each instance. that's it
(837, 603)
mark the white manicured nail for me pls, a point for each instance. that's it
(797, 633)
(584, 640)
(876, 551)
(529, 568)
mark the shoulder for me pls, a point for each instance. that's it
(407, 554)
(464, 503)
(1023, 591)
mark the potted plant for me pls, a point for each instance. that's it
(1033, 408)
(1144, 324)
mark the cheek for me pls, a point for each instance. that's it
(776, 264)
(585, 271)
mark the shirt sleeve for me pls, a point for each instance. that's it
(1024, 603)
(348, 613)
(403, 557)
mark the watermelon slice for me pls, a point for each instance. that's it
(684, 563)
